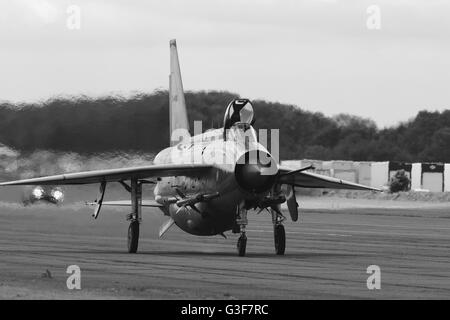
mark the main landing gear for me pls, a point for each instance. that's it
(135, 216)
(279, 234)
(133, 236)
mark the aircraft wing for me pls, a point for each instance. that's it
(301, 178)
(111, 175)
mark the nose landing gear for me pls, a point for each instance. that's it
(241, 221)
(279, 235)
(242, 245)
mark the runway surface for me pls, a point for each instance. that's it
(327, 255)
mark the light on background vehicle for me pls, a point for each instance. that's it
(38, 192)
(57, 194)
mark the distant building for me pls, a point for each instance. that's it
(345, 170)
(430, 177)
(379, 174)
(382, 172)
(364, 173)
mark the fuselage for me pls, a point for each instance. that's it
(223, 152)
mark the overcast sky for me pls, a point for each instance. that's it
(319, 55)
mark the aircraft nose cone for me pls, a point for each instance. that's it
(256, 173)
(252, 177)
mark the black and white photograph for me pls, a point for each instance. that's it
(224, 150)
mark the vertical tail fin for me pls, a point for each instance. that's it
(177, 104)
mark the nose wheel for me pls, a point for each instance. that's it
(241, 223)
(279, 235)
(242, 245)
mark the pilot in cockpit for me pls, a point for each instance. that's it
(238, 110)
(238, 117)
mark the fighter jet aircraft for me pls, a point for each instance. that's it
(206, 183)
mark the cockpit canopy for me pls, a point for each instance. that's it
(238, 111)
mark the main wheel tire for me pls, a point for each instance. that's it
(242, 245)
(133, 236)
(279, 236)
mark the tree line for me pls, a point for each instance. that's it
(140, 123)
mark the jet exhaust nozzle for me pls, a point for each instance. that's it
(256, 171)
